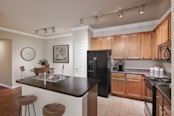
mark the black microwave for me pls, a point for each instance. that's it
(164, 52)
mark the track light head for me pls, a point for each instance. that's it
(120, 13)
(141, 11)
(97, 18)
(36, 32)
(81, 22)
(53, 29)
(45, 30)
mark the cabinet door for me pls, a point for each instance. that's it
(134, 86)
(167, 108)
(158, 39)
(118, 47)
(118, 84)
(170, 28)
(106, 43)
(146, 45)
(165, 31)
(96, 43)
(133, 46)
(154, 46)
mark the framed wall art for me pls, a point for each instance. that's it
(61, 54)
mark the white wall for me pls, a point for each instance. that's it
(18, 43)
(49, 54)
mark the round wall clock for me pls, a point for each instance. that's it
(28, 53)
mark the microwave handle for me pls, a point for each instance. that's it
(167, 59)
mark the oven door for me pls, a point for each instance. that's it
(148, 99)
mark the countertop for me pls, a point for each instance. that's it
(144, 72)
(73, 86)
(166, 92)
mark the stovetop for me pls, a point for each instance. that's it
(159, 81)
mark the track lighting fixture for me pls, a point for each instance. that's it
(81, 22)
(45, 30)
(141, 11)
(120, 13)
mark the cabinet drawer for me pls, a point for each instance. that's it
(137, 77)
(116, 75)
(167, 108)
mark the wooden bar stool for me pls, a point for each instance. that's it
(26, 101)
(53, 110)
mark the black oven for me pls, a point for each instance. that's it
(150, 99)
(150, 93)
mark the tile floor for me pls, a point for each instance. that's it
(117, 106)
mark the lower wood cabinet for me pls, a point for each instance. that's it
(134, 86)
(127, 85)
(118, 84)
(163, 108)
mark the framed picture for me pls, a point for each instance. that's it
(61, 54)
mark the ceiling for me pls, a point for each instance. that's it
(29, 15)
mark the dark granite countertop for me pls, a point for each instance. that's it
(166, 92)
(144, 72)
(73, 86)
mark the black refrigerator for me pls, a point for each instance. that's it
(99, 67)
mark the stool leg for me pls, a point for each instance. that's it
(28, 110)
(34, 110)
(19, 111)
(25, 110)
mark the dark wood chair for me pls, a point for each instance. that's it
(53, 110)
(26, 101)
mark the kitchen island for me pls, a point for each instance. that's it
(79, 95)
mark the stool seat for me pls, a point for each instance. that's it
(26, 100)
(53, 110)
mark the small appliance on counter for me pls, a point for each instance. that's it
(120, 65)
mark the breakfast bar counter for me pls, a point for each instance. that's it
(79, 95)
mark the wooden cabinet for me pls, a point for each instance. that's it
(146, 45)
(118, 84)
(163, 108)
(96, 43)
(118, 47)
(158, 40)
(165, 31)
(106, 43)
(132, 49)
(101, 43)
(127, 85)
(170, 37)
(134, 86)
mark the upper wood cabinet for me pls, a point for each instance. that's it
(165, 31)
(170, 28)
(146, 45)
(101, 43)
(106, 43)
(118, 47)
(157, 40)
(96, 43)
(133, 46)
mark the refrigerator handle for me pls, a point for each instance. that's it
(95, 65)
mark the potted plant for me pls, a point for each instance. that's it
(43, 62)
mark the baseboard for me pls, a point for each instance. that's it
(10, 87)
(4, 85)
